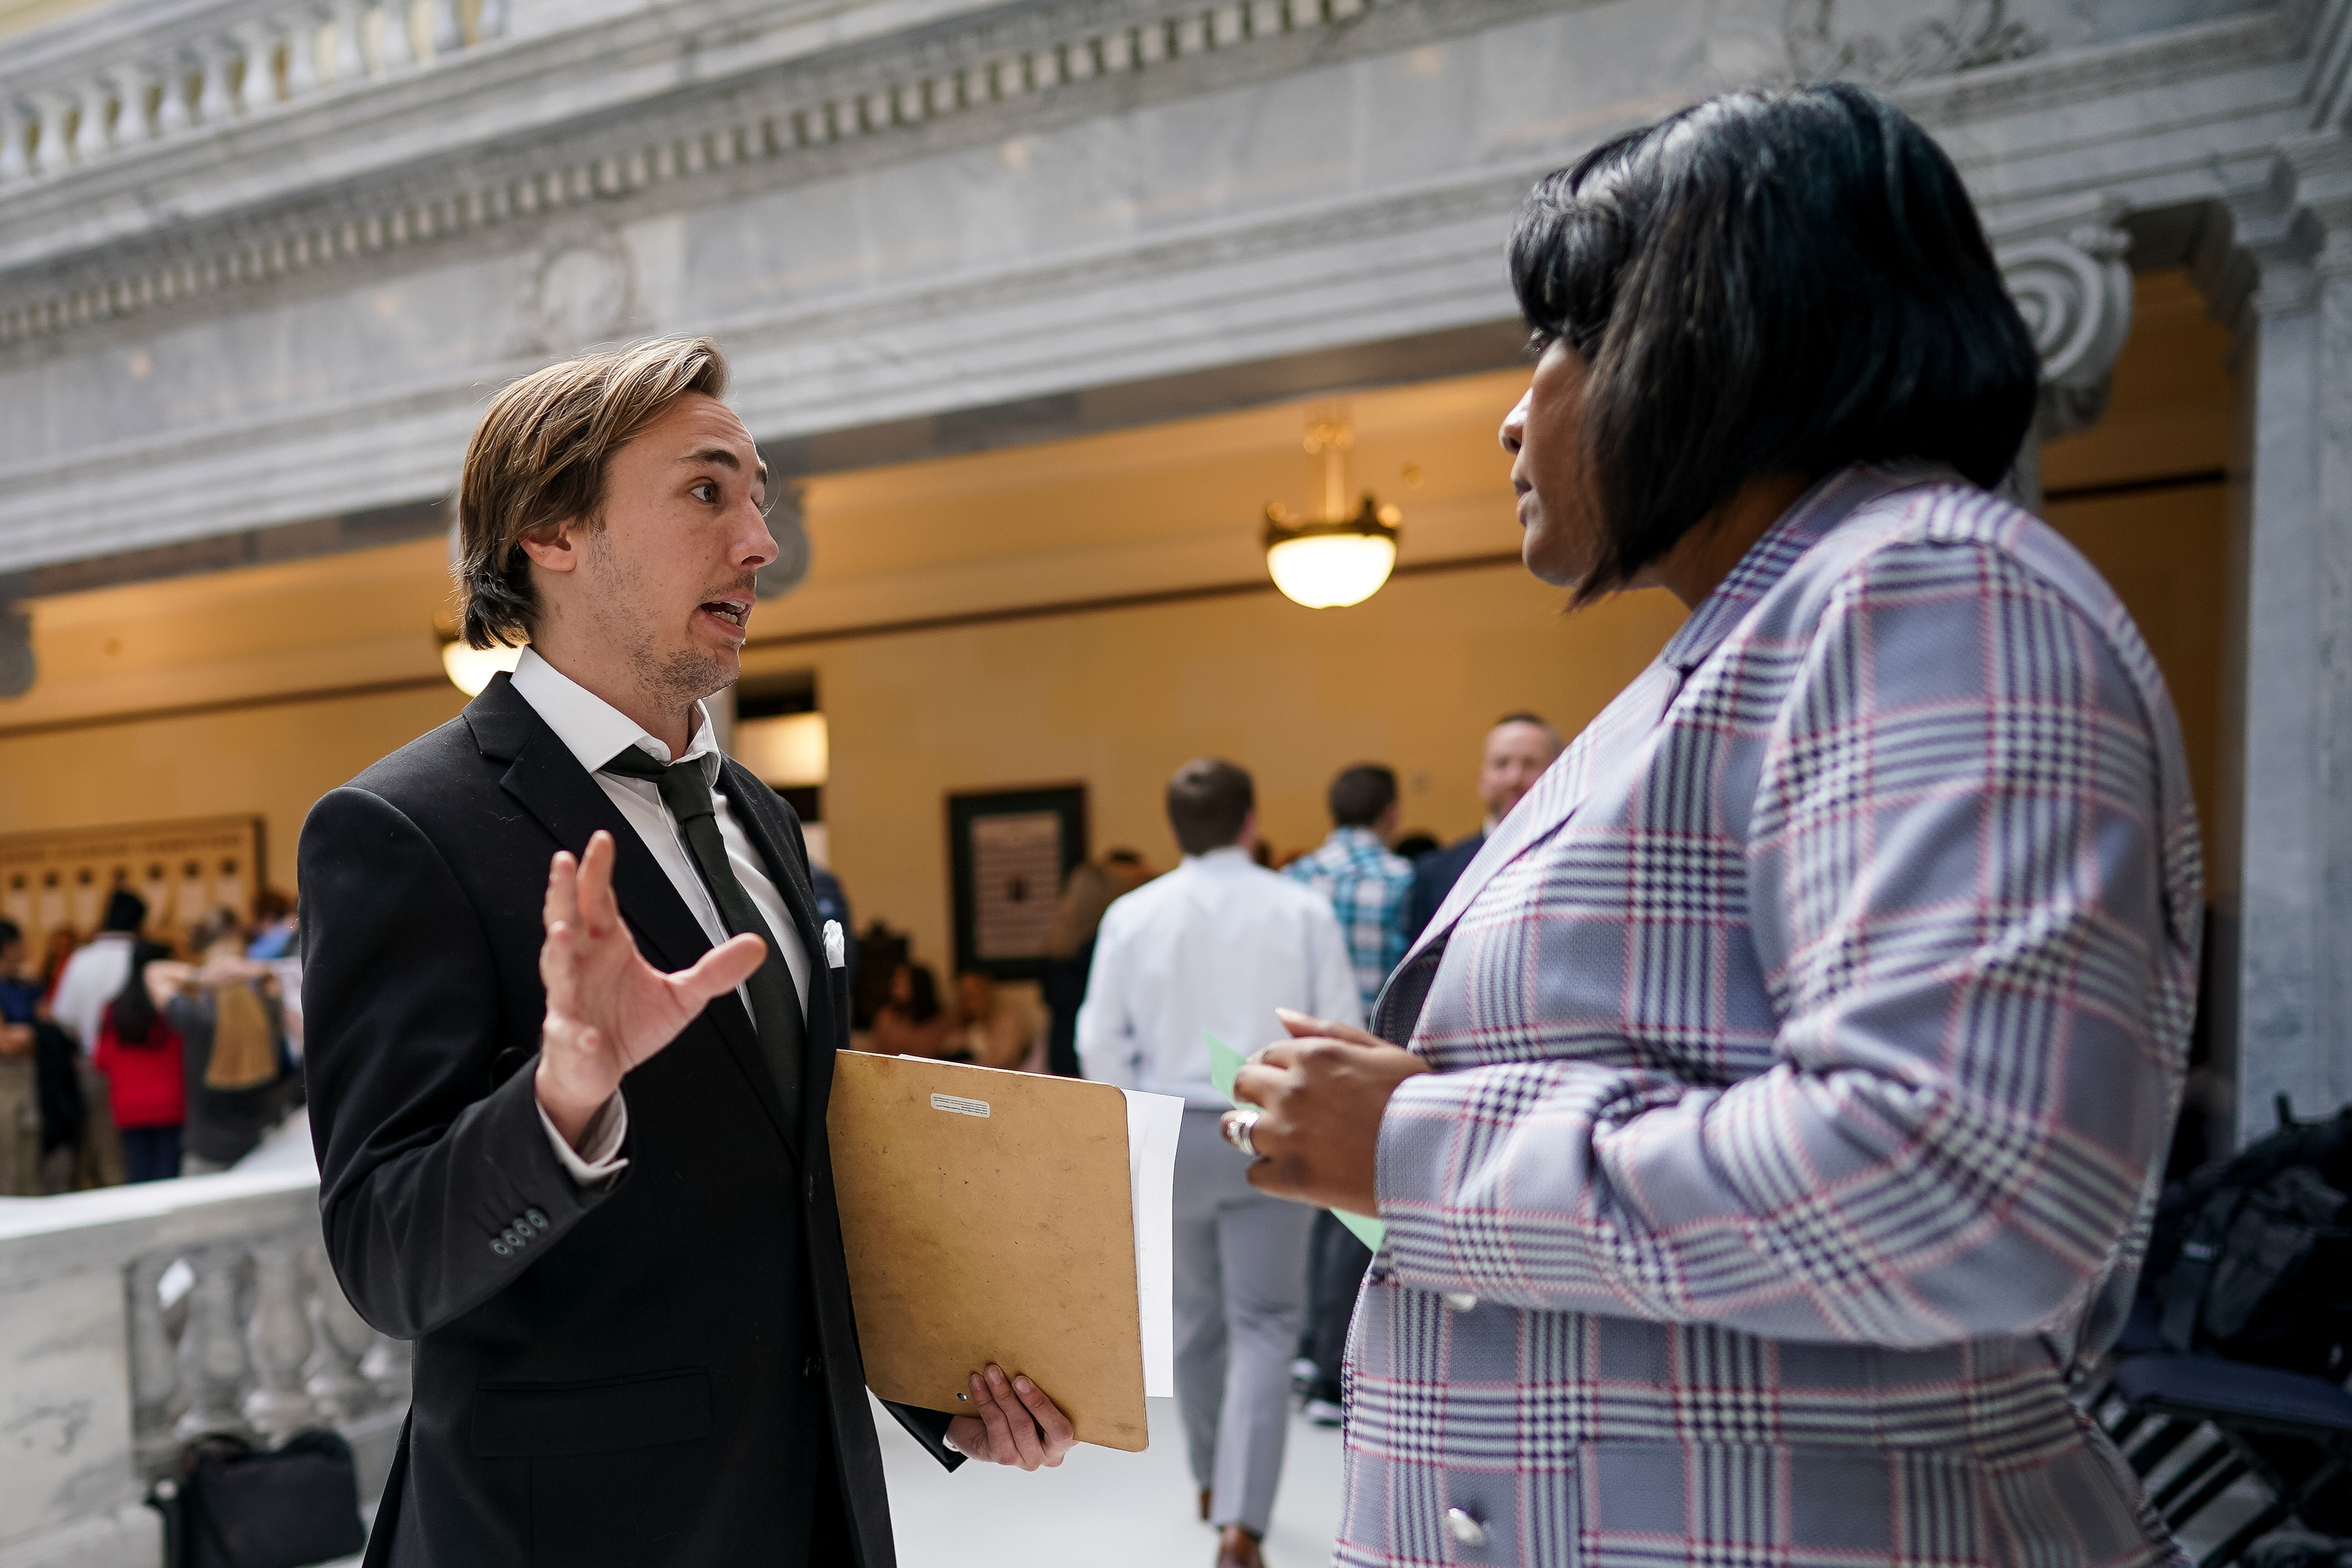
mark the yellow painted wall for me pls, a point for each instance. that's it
(2166, 551)
(1413, 677)
(329, 624)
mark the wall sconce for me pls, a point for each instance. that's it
(1338, 558)
(791, 751)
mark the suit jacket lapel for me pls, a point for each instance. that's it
(1544, 810)
(549, 783)
(762, 816)
(762, 819)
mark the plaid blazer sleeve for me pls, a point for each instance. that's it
(1947, 868)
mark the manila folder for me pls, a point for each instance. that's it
(986, 1216)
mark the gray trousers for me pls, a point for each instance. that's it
(1241, 1292)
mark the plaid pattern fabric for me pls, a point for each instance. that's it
(1367, 887)
(1807, 1044)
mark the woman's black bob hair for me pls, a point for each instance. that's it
(1768, 283)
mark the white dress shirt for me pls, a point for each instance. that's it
(93, 977)
(596, 731)
(1217, 944)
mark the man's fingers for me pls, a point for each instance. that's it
(721, 969)
(991, 1416)
(598, 909)
(1017, 1419)
(563, 889)
(557, 973)
(1303, 1025)
(1051, 1423)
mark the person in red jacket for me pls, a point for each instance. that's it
(140, 1055)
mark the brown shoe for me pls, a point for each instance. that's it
(1237, 1547)
(1204, 1505)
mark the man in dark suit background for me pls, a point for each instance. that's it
(1518, 748)
(572, 1014)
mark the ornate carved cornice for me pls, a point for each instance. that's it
(967, 74)
(974, 77)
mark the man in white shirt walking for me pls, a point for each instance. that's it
(1215, 947)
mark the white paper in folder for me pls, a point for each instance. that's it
(1153, 1122)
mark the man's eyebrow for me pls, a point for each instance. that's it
(723, 458)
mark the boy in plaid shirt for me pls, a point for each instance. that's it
(1353, 868)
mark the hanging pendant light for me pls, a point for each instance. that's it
(1340, 558)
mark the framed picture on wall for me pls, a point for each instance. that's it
(1009, 851)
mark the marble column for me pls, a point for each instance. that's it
(2294, 966)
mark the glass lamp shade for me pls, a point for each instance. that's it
(1325, 571)
(1327, 563)
(471, 668)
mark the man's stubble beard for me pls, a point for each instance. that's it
(679, 678)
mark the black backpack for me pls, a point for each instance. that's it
(234, 1506)
(2251, 1258)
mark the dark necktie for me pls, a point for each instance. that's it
(775, 1003)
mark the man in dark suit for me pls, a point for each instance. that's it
(1518, 748)
(571, 1016)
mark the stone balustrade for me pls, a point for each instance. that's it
(136, 1318)
(66, 101)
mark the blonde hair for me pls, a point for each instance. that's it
(536, 460)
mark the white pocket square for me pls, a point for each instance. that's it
(836, 946)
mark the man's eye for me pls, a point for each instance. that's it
(705, 491)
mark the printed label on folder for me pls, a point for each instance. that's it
(960, 1105)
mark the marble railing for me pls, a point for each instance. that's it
(87, 88)
(136, 1318)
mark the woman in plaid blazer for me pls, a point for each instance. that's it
(1788, 1078)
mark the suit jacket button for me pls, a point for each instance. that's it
(509, 1237)
(1465, 1530)
(814, 1366)
(536, 1219)
(502, 1248)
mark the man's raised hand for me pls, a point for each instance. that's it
(607, 1008)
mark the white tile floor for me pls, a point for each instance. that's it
(1138, 1511)
(1100, 1506)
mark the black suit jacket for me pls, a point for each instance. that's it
(1433, 876)
(665, 1370)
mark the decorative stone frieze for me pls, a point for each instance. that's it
(1962, 34)
(581, 288)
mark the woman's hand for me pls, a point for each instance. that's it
(1016, 1424)
(1320, 1096)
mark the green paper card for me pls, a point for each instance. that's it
(1224, 1062)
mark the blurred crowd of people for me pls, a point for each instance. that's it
(1141, 968)
(138, 1056)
